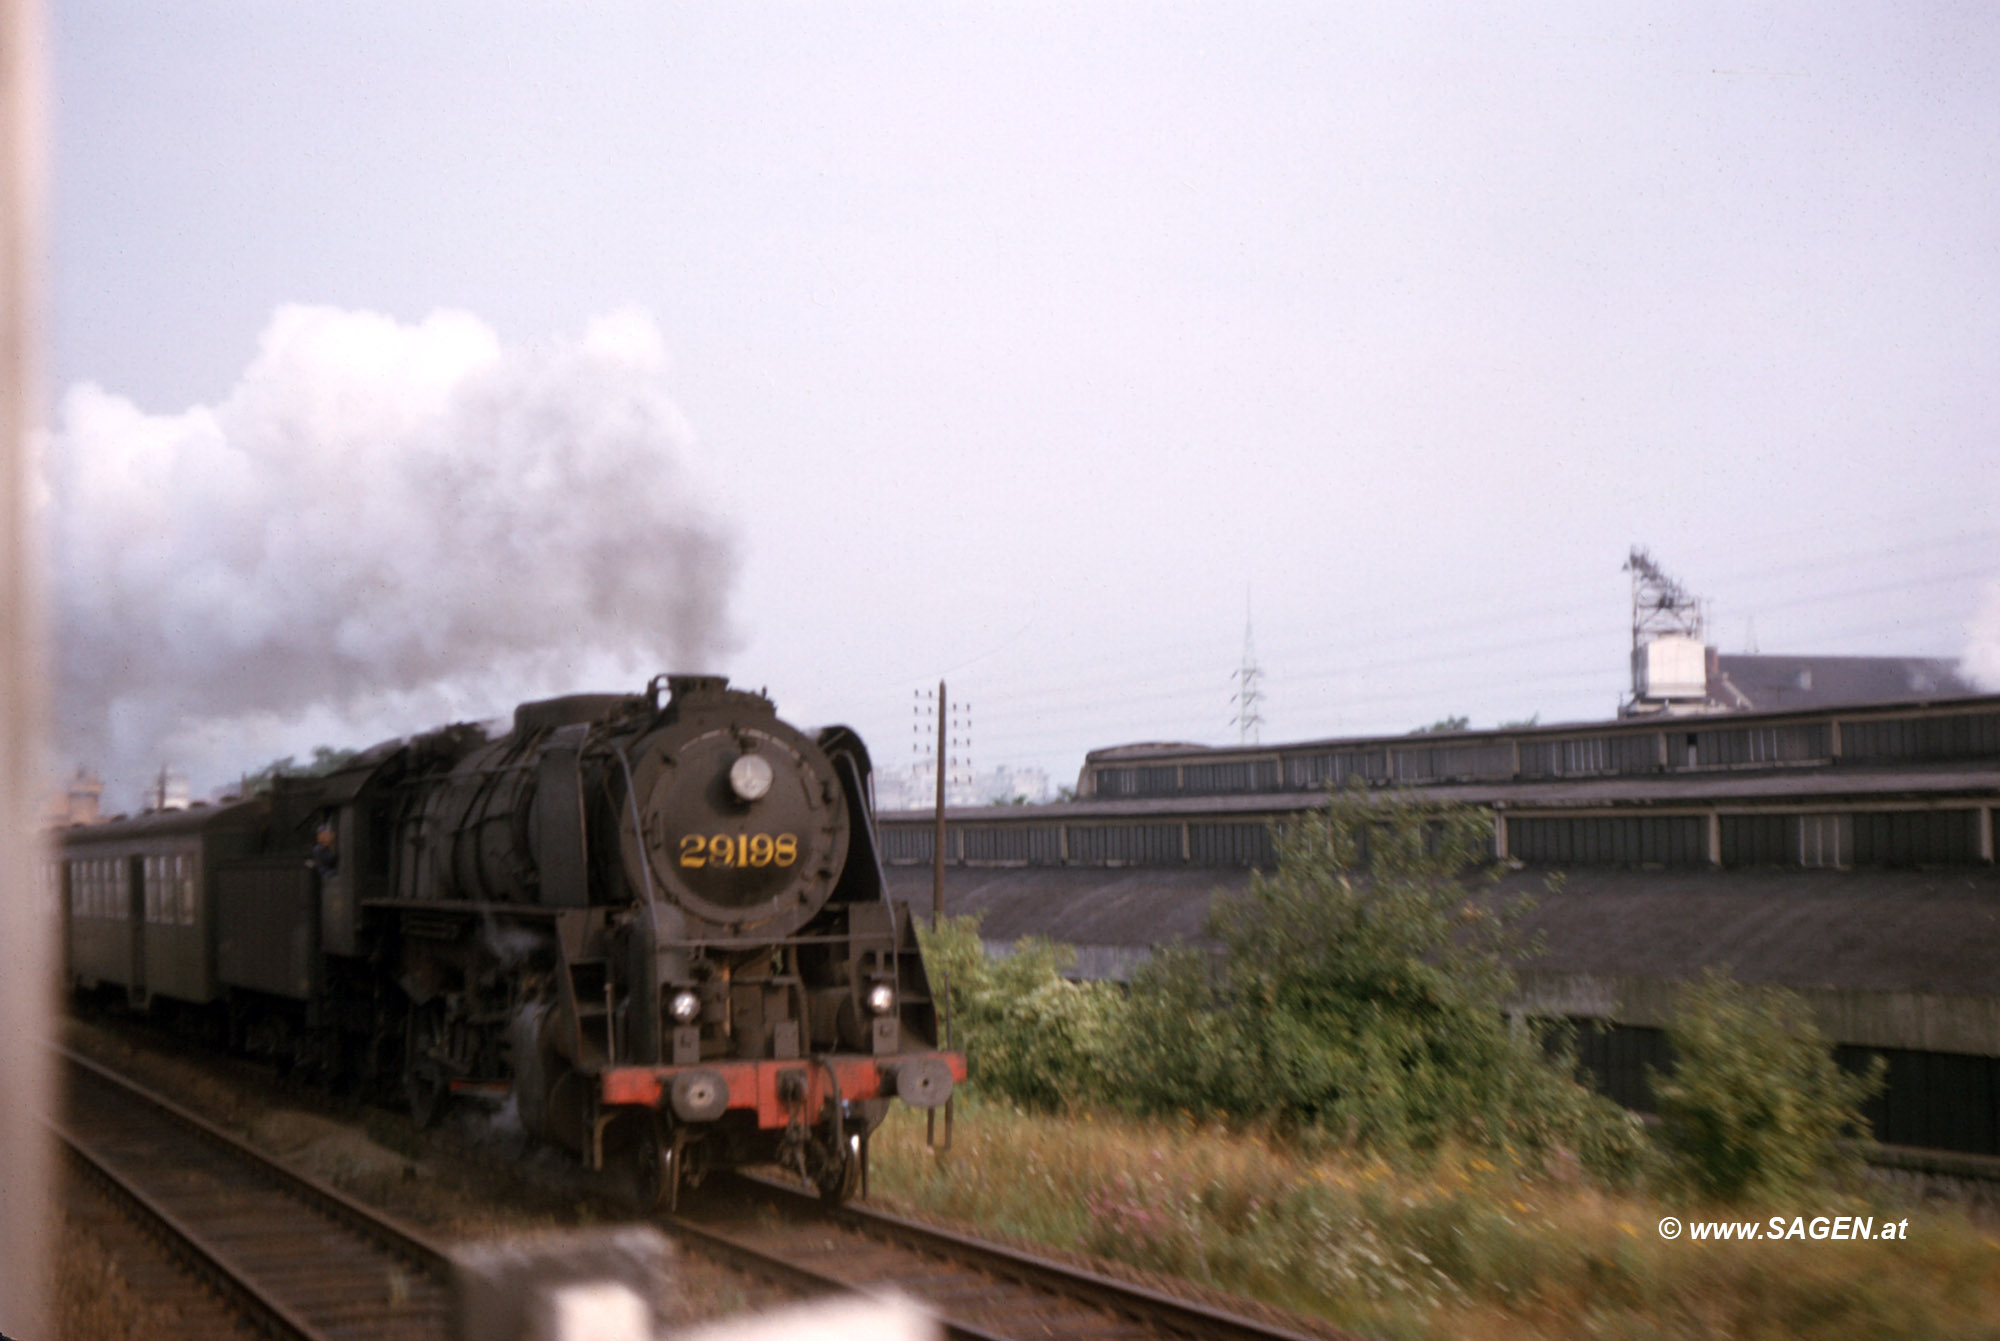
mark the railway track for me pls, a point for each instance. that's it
(294, 1257)
(290, 1255)
(979, 1291)
(396, 1285)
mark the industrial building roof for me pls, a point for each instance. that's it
(1909, 685)
(1801, 784)
(1754, 682)
(1935, 931)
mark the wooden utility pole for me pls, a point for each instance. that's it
(937, 921)
(937, 840)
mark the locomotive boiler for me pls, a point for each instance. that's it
(656, 922)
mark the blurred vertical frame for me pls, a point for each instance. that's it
(27, 987)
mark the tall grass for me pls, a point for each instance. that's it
(1459, 1243)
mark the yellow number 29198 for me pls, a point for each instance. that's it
(743, 849)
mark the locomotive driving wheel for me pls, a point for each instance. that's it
(657, 1166)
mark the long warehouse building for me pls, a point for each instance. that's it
(1846, 853)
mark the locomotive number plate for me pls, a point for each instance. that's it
(743, 849)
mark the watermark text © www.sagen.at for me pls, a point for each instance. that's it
(1837, 1227)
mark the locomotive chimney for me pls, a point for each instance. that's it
(695, 686)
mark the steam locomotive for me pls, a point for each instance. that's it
(656, 922)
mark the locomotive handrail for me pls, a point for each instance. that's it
(470, 908)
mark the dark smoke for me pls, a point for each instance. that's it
(381, 527)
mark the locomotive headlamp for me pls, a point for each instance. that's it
(685, 1006)
(881, 997)
(750, 777)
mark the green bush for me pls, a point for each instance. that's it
(1030, 1034)
(1756, 1104)
(1173, 1046)
(1361, 993)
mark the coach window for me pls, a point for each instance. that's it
(184, 885)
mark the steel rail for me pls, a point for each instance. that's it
(421, 1251)
(1141, 1303)
(206, 1259)
(202, 1208)
(1196, 1319)
(746, 1256)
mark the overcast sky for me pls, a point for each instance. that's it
(1028, 346)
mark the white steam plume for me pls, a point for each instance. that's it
(381, 526)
